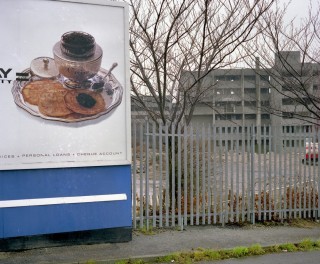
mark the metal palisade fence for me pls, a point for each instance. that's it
(216, 175)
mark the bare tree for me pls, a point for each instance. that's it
(289, 53)
(175, 44)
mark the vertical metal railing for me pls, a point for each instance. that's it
(215, 175)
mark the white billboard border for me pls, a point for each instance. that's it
(79, 164)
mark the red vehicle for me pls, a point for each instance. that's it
(312, 152)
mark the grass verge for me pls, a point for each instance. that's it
(238, 252)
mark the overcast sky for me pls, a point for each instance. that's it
(298, 8)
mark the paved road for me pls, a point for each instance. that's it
(310, 257)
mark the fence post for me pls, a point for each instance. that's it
(252, 175)
(147, 175)
(142, 166)
(134, 171)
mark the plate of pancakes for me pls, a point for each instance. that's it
(51, 99)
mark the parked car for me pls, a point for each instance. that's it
(312, 152)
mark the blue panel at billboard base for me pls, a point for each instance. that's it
(41, 184)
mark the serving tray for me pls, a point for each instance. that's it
(112, 97)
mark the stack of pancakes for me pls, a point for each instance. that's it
(54, 100)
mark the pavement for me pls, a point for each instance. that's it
(162, 242)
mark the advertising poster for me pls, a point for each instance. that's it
(64, 94)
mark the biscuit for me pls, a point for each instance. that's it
(32, 91)
(84, 102)
(51, 103)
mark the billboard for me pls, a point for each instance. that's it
(64, 94)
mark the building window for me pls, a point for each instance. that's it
(229, 117)
(307, 129)
(250, 103)
(265, 130)
(306, 100)
(288, 129)
(219, 91)
(287, 115)
(265, 116)
(249, 77)
(232, 78)
(288, 101)
(237, 117)
(220, 117)
(250, 116)
(265, 90)
(228, 78)
(220, 78)
(249, 90)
